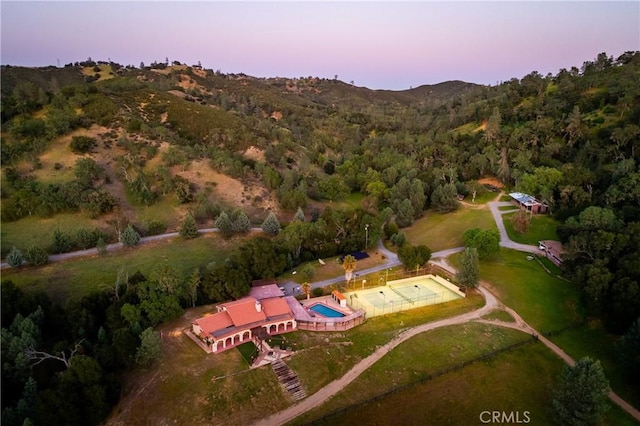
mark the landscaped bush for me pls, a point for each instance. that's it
(36, 255)
(15, 258)
(87, 238)
(155, 227)
(130, 237)
(61, 242)
(317, 292)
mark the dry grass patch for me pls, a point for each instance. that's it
(105, 72)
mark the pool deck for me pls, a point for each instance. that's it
(326, 300)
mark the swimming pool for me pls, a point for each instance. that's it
(326, 311)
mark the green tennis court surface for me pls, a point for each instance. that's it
(403, 294)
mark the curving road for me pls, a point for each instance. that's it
(115, 246)
(337, 385)
(505, 241)
(438, 258)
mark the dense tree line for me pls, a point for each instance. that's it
(570, 139)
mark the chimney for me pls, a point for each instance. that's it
(258, 306)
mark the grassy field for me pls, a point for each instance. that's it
(545, 302)
(452, 398)
(518, 380)
(591, 339)
(76, 278)
(542, 227)
(352, 201)
(38, 231)
(443, 231)
(318, 368)
(191, 387)
(499, 316)
(551, 304)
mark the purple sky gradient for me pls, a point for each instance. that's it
(380, 45)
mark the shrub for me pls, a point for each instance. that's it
(62, 242)
(87, 238)
(155, 227)
(390, 229)
(241, 223)
(271, 225)
(318, 292)
(36, 255)
(99, 202)
(224, 224)
(129, 236)
(189, 229)
(101, 246)
(398, 239)
(15, 258)
(82, 144)
(308, 272)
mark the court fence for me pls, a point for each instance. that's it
(403, 304)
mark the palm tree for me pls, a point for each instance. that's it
(306, 288)
(349, 265)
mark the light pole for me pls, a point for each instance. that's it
(384, 300)
(418, 291)
(366, 236)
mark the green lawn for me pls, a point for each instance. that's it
(592, 340)
(545, 302)
(443, 231)
(38, 231)
(34, 230)
(499, 315)
(542, 227)
(79, 277)
(352, 201)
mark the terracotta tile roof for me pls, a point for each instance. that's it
(214, 322)
(275, 307)
(243, 312)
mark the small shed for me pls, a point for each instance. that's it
(339, 297)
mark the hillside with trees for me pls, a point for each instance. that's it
(151, 149)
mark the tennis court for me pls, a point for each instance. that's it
(403, 294)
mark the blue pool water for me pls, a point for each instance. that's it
(326, 311)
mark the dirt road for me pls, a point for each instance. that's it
(337, 385)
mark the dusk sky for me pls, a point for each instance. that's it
(380, 45)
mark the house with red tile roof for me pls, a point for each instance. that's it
(263, 313)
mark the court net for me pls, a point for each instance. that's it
(408, 299)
